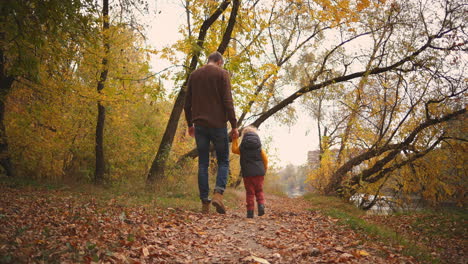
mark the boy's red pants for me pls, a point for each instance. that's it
(254, 188)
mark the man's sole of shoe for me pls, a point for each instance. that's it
(219, 208)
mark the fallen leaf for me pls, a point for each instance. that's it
(314, 252)
(363, 253)
(255, 260)
(345, 256)
(339, 249)
(145, 252)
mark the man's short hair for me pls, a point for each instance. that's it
(215, 57)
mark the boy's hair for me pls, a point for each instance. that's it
(215, 57)
(250, 129)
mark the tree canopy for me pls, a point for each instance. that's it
(384, 80)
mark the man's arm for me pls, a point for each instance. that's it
(188, 103)
(227, 100)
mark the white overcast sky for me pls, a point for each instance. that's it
(287, 145)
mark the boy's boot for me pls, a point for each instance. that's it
(206, 207)
(250, 213)
(217, 202)
(261, 209)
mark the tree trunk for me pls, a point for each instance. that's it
(4, 153)
(157, 170)
(101, 117)
(100, 162)
(377, 168)
(159, 163)
(6, 83)
(238, 181)
(316, 86)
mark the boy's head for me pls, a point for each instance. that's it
(250, 129)
(250, 138)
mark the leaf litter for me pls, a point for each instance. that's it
(39, 226)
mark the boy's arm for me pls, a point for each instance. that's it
(265, 159)
(235, 146)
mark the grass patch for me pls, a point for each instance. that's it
(19, 182)
(136, 195)
(322, 202)
(350, 216)
(125, 195)
(162, 196)
(443, 223)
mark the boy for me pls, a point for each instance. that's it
(254, 164)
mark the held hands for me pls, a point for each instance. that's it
(191, 131)
(234, 133)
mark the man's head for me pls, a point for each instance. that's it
(216, 58)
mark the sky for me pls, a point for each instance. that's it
(286, 144)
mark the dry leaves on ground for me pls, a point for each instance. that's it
(57, 226)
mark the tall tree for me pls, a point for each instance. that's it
(101, 116)
(6, 82)
(159, 163)
(51, 124)
(276, 34)
(25, 27)
(397, 54)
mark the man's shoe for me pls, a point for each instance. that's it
(261, 209)
(250, 213)
(205, 207)
(218, 203)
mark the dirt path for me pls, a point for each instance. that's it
(288, 233)
(63, 227)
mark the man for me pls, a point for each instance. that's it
(208, 106)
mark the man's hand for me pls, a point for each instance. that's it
(191, 131)
(235, 133)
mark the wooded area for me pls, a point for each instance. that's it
(96, 165)
(385, 80)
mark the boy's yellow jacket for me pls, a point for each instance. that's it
(235, 149)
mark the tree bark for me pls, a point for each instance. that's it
(337, 178)
(158, 165)
(230, 27)
(5, 162)
(6, 82)
(308, 88)
(101, 117)
(311, 87)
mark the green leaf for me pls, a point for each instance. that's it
(90, 246)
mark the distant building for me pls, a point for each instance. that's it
(313, 158)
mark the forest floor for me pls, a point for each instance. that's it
(40, 225)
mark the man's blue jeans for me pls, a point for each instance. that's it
(219, 137)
